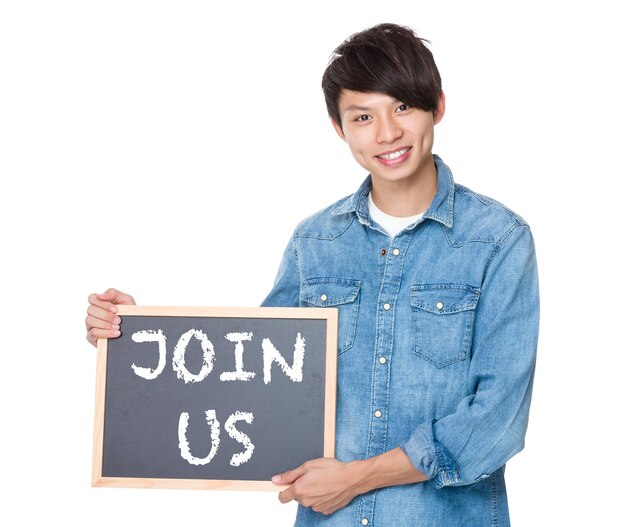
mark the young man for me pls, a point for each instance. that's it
(437, 293)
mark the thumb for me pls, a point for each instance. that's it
(116, 297)
(288, 477)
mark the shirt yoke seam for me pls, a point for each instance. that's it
(502, 241)
(328, 237)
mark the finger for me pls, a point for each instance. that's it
(286, 495)
(98, 323)
(103, 314)
(95, 300)
(94, 334)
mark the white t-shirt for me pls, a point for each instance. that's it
(392, 224)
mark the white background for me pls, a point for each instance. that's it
(169, 148)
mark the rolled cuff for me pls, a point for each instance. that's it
(431, 458)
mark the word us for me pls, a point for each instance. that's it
(214, 424)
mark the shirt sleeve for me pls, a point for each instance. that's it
(286, 289)
(489, 424)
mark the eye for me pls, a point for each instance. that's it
(362, 118)
(402, 108)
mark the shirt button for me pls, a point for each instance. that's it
(364, 521)
(383, 252)
(439, 305)
(382, 360)
(378, 413)
(323, 298)
(387, 307)
(396, 252)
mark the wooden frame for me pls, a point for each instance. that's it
(329, 314)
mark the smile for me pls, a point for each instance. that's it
(394, 155)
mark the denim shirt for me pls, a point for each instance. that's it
(436, 348)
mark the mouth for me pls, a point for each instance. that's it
(394, 156)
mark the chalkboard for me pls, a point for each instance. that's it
(214, 397)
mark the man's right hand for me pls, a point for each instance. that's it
(102, 320)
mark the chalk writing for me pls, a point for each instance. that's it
(270, 356)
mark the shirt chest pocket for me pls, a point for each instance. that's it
(342, 293)
(443, 321)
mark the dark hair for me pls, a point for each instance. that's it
(386, 58)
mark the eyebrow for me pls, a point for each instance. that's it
(354, 107)
(358, 108)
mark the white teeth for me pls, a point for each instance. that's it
(395, 154)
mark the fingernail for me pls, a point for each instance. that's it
(116, 326)
(113, 309)
(276, 479)
(117, 320)
(116, 333)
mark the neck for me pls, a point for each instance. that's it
(409, 196)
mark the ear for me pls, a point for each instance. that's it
(338, 129)
(441, 109)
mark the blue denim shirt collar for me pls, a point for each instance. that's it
(441, 208)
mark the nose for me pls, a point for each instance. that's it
(388, 130)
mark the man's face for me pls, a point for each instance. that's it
(389, 139)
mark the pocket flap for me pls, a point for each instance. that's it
(326, 292)
(443, 299)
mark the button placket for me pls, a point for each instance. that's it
(386, 307)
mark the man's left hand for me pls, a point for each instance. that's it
(324, 484)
